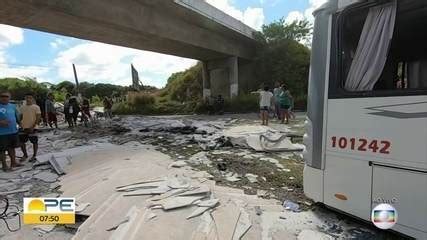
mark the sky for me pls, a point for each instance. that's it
(49, 57)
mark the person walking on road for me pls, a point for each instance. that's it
(68, 111)
(51, 111)
(8, 131)
(31, 116)
(74, 110)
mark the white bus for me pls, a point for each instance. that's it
(367, 110)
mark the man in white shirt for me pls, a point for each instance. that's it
(265, 103)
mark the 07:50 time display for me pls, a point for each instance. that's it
(361, 144)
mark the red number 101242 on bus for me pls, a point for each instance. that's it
(361, 144)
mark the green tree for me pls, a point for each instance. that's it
(186, 85)
(65, 85)
(299, 31)
(19, 87)
(282, 58)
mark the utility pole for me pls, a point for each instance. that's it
(76, 79)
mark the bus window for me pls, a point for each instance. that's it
(406, 66)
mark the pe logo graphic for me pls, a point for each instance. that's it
(49, 210)
(384, 216)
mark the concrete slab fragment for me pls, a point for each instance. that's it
(208, 203)
(199, 211)
(152, 181)
(178, 183)
(134, 187)
(152, 191)
(179, 202)
(124, 225)
(206, 229)
(168, 194)
(56, 166)
(225, 218)
(243, 225)
(200, 190)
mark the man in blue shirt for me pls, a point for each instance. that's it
(8, 131)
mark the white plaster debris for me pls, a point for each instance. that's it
(117, 224)
(48, 177)
(124, 225)
(232, 177)
(179, 202)
(200, 158)
(98, 188)
(243, 225)
(56, 166)
(178, 182)
(258, 138)
(149, 214)
(205, 227)
(208, 203)
(178, 164)
(151, 191)
(271, 160)
(202, 174)
(251, 177)
(198, 191)
(199, 211)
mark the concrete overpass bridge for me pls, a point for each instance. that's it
(185, 28)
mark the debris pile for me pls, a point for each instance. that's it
(126, 189)
(261, 138)
(121, 205)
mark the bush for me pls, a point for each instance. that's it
(139, 99)
(123, 108)
(96, 101)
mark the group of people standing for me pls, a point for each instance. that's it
(280, 101)
(12, 136)
(18, 126)
(72, 108)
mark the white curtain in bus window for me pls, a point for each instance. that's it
(373, 47)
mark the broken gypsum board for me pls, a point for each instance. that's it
(142, 182)
(275, 143)
(154, 191)
(55, 165)
(141, 186)
(280, 139)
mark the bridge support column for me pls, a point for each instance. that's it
(221, 77)
(206, 81)
(233, 76)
